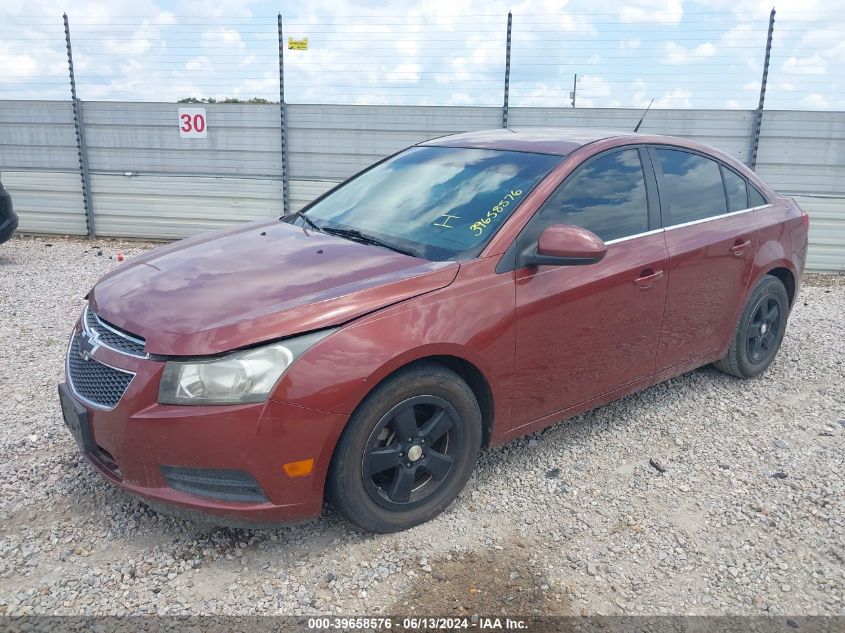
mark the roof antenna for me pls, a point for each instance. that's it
(637, 129)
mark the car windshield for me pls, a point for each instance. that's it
(439, 203)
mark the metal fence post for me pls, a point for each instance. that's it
(758, 115)
(81, 148)
(507, 72)
(284, 124)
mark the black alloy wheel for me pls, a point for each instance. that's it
(410, 452)
(758, 335)
(761, 333)
(407, 451)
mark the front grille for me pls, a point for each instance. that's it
(113, 337)
(214, 483)
(99, 384)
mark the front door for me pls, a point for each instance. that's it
(583, 331)
(712, 241)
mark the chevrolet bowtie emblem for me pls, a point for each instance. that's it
(87, 343)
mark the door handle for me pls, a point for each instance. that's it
(739, 247)
(647, 278)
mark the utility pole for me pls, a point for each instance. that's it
(507, 71)
(283, 123)
(81, 147)
(758, 115)
(574, 89)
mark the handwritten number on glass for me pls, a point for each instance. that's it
(478, 227)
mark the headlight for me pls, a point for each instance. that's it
(247, 376)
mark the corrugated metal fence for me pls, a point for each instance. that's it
(146, 181)
(803, 154)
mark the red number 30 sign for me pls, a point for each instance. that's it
(192, 123)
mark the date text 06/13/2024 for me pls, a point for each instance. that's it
(417, 623)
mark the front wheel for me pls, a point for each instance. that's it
(760, 330)
(407, 451)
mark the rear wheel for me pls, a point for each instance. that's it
(760, 330)
(408, 450)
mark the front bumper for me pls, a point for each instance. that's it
(138, 442)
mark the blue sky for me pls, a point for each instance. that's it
(706, 53)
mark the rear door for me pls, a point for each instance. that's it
(711, 237)
(583, 331)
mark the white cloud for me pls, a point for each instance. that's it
(630, 44)
(815, 101)
(216, 8)
(199, 64)
(407, 46)
(146, 38)
(826, 42)
(404, 73)
(705, 50)
(16, 67)
(481, 55)
(165, 18)
(439, 52)
(814, 65)
(676, 54)
(652, 11)
(222, 37)
(677, 98)
(591, 88)
(743, 35)
(266, 85)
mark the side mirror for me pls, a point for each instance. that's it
(565, 245)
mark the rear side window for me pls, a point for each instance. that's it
(736, 189)
(693, 184)
(755, 198)
(607, 196)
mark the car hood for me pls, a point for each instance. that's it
(258, 282)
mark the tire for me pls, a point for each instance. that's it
(381, 481)
(760, 331)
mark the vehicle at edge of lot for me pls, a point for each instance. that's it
(8, 217)
(460, 293)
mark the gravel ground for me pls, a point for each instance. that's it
(748, 517)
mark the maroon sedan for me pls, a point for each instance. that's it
(455, 295)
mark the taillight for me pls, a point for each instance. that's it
(805, 219)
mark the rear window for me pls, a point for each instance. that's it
(693, 184)
(755, 198)
(736, 189)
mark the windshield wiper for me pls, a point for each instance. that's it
(357, 236)
(308, 220)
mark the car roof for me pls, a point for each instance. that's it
(562, 141)
(541, 140)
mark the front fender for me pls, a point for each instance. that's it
(472, 319)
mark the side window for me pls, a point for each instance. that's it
(607, 196)
(694, 186)
(736, 189)
(755, 198)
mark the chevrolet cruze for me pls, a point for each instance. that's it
(457, 294)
